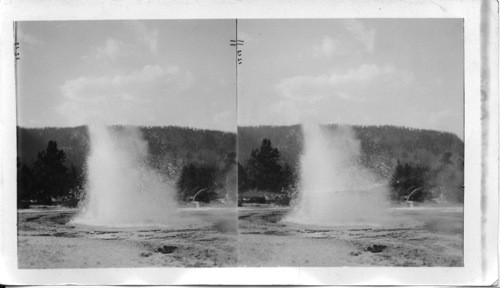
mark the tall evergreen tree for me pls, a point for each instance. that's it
(263, 168)
(242, 179)
(24, 185)
(50, 173)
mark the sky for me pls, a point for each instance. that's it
(404, 72)
(167, 72)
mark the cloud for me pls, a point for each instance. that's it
(78, 88)
(343, 43)
(112, 49)
(142, 39)
(149, 37)
(25, 38)
(316, 98)
(88, 98)
(361, 33)
(328, 47)
(348, 86)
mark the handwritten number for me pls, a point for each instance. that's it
(239, 52)
(16, 53)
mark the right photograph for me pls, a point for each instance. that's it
(350, 142)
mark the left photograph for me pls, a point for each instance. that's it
(126, 144)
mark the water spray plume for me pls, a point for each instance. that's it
(335, 189)
(121, 188)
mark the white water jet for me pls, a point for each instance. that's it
(121, 188)
(334, 188)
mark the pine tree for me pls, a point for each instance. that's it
(263, 168)
(50, 173)
(242, 179)
(24, 184)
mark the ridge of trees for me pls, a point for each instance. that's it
(49, 179)
(181, 145)
(378, 143)
(170, 148)
(430, 161)
(267, 159)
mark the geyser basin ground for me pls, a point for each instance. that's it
(422, 236)
(203, 238)
(428, 236)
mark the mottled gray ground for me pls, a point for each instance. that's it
(205, 238)
(417, 237)
(209, 238)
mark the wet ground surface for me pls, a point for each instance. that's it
(420, 237)
(206, 238)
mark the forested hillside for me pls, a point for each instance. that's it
(268, 156)
(51, 161)
(180, 145)
(379, 144)
(405, 157)
(386, 144)
(73, 141)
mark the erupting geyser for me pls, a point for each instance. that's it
(335, 189)
(121, 188)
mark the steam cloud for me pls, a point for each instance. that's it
(121, 188)
(335, 189)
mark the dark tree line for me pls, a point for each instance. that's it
(434, 156)
(51, 161)
(417, 182)
(263, 168)
(178, 146)
(379, 144)
(441, 178)
(265, 171)
(198, 183)
(172, 151)
(49, 180)
(209, 182)
(410, 183)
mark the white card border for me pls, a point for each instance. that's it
(479, 258)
